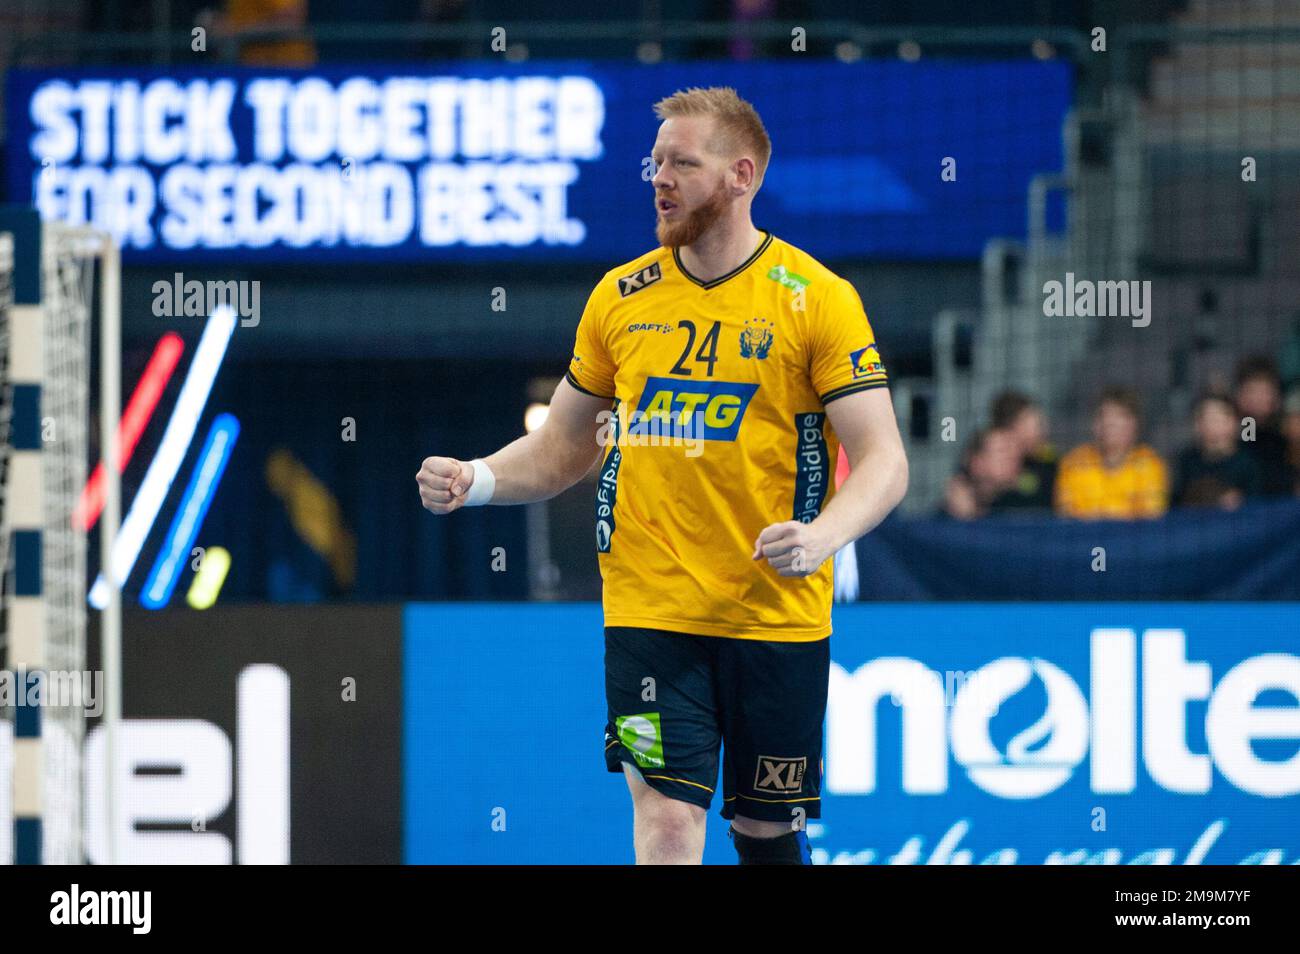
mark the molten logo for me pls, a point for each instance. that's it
(1020, 772)
(1104, 729)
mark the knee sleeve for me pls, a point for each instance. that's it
(788, 849)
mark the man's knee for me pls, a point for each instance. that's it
(755, 828)
(669, 828)
(668, 815)
(671, 821)
(769, 843)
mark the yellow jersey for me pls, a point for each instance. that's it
(718, 428)
(1089, 490)
(252, 14)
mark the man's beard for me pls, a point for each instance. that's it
(692, 226)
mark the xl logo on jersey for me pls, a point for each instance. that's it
(703, 410)
(639, 280)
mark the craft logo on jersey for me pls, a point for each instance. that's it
(662, 327)
(756, 339)
(639, 280)
(778, 775)
(691, 410)
(866, 362)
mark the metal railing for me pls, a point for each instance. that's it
(1125, 44)
(164, 46)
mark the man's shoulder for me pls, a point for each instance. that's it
(632, 276)
(791, 265)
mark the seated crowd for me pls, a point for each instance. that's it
(1245, 446)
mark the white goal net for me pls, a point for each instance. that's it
(44, 460)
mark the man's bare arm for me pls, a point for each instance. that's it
(537, 466)
(867, 428)
(877, 480)
(554, 457)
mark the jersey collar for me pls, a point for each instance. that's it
(762, 247)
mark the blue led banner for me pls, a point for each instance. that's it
(1087, 733)
(544, 161)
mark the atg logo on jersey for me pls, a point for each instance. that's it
(701, 410)
(866, 362)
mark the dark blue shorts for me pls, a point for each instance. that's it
(674, 698)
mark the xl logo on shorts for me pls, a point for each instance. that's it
(778, 775)
(642, 736)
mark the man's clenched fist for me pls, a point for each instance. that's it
(444, 482)
(792, 548)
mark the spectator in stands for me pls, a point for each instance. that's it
(1023, 420)
(1216, 471)
(989, 468)
(436, 12)
(1289, 359)
(241, 16)
(1291, 431)
(1259, 402)
(1115, 477)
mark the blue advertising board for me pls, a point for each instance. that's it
(543, 161)
(1126, 733)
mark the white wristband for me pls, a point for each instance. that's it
(485, 484)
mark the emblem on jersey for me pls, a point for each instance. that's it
(698, 410)
(866, 362)
(779, 775)
(639, 280)
(756, 338)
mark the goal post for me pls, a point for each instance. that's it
(63, 281)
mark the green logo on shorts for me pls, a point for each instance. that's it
(641, 735)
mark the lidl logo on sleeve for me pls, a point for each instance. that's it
(641, 735)
(699, 410)
(866, 362)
